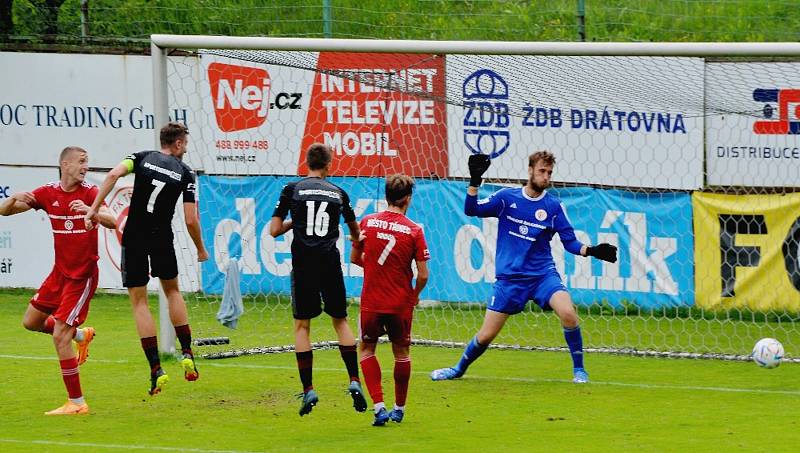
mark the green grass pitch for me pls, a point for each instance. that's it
(509, 400)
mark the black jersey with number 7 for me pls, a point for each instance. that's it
(316, 206)
(159, 180)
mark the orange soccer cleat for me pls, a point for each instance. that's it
(70, 408)
(83, 346)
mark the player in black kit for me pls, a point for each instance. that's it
(147, 241)
(315, 206)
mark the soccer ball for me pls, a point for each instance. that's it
(768, 352)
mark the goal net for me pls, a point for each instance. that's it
(688, 164)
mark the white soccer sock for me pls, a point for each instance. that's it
(79, 335)
(379, 406)
(399, 408)
(78, 400)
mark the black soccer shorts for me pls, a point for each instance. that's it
(143, 259)
(317, 278)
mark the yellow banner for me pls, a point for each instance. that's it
(746, 251)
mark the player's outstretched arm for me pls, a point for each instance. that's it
(422, 279)
(16, 203)
(193, 227)
(105, 188)
(104, 215)
(355, 230)
(278, 226)
(604, 251)
(357, 250)
(106, 218)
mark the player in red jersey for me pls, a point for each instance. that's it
(388, 245)
(62, 302)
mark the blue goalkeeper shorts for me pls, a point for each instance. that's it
(511, 296)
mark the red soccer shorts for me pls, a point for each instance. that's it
(397, 326)
(65, 298)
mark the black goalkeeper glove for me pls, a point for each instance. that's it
(605, 252)
(478, 164)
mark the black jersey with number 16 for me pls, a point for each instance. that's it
(315, 205)
(159, 180)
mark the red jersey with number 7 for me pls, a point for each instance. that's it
(75, 247)
(392, 242)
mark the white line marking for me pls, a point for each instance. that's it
(119, 447)
(699, 388)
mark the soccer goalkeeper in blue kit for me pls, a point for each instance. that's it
(525, 270)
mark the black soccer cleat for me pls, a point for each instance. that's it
(310, 399)
(359, 403)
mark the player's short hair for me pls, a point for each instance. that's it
(318, 156)
(172, 132)
(65, 153)
(546, 156)
(398, 187)
(69, 150)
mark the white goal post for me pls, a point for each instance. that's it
(685, 155)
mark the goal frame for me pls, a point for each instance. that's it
(162, 44)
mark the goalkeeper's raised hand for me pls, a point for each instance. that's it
(605, 252)
(478, 164)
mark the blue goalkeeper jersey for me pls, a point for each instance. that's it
(525, 229)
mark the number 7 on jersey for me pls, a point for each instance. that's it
(388, 248)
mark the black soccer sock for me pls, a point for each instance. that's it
(150, 346)
(350, 358)
(184, 334)
(305, 362)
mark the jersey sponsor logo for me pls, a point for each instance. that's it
(324, 193)
(68, 224)
(55, 204)
(64, 217)
(524, 222)
(172, 174)
(523, 229)
(389, 226)
(486, 119)
(783, 119)
(240, 95)
(513, 206)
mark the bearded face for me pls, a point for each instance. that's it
(539, 176)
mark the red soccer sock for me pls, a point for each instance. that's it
(372, 377)
(72, 380)
(402, 374)
(49, 325)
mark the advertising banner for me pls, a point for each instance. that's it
(621, 121)
(755, 139)
(653, 233)
(260, 118)
(749, 255)
(26, 239)
(103, 103)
